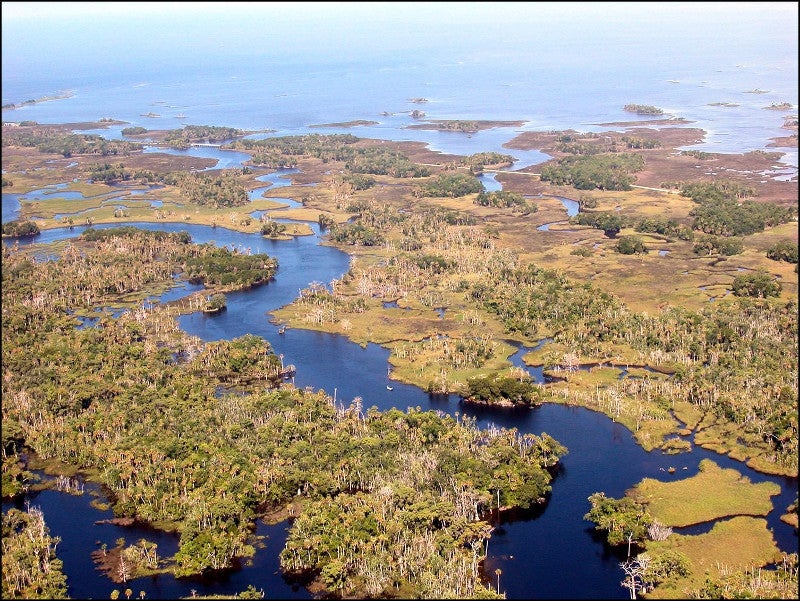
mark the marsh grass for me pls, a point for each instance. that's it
(740, 543)
(689, 413)
(712, 494)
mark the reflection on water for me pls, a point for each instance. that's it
(84, 529)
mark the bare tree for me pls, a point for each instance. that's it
(635, 570)
(123, 568)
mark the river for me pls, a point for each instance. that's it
(549, 553)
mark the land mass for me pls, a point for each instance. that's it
(632, 335)
(461, 125)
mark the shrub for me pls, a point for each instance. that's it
(582, 251)
(20, 227)
(629, 245)
(760, 285)
(709, 245)
(783, 251)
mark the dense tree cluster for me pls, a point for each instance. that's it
(591, 144)
(716, 190)
(783, 251)
(108, 173)
(95, 234)
(610, 223)
(580, 148)
(476, 162)
(224, 267)
(359, 182)
(152, 412)
(504, 199)
(54, 140)
(31, 569)
(281, 149)
(723, 209)
(665, 227)
(383, 161)
(273, 228)
(760, 285)
(643, 109)
(205, 134)
(215, 302)
(355, 233)
(451, 185)
(629, 245)
(712, 245)
(739, 218)
(217, 191)
(602, 171)
(494, 389)
(133, 131)
(17, 228)
(467, 125)
(372, 160)
(419, 529)
(623, 520)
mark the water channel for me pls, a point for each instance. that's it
(549, 553)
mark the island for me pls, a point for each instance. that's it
(60, 96)
(462, 125)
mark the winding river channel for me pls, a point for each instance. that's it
(548, 553)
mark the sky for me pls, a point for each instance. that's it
(367, 13)
(77, 36)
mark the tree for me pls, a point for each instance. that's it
(251, 593)
(30, 567)
(635, 570)
(783, 251)
(624, 520)
(611, 225)
(628, 245)
(760, 285)
(274, 228)
(215, 302)
(124, 570)
(20, 228)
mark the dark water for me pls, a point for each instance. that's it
(72, 519)
(549, 553)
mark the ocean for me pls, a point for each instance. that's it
(288, 66)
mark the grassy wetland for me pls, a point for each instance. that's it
(662, 307)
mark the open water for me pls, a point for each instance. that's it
(550, 65)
